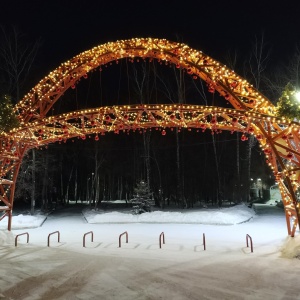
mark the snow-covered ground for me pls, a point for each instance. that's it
(145, 267)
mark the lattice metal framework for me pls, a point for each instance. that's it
(251, 113)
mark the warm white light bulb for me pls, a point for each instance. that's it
(297, 95)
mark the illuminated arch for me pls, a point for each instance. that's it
(252, 114)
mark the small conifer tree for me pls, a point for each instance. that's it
(8, 119)
(143, 199)
(288, 105)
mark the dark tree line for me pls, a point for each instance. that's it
(70, 168)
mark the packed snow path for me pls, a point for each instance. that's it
(139, 269)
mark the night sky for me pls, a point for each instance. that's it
(67, 28)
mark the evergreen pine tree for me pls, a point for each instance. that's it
(8, 119)
(288, 106)
(143, 199)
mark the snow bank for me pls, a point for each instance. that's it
(224, 216)
(291, 247)
(24, 221)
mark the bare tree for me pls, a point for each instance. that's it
(99, 160)
(16, 60)
(254, 70)
(286, 73)
(232, 58)
(180, 179)
(179, 94)
(257, 63)
(142, 87)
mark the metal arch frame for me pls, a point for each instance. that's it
(252, 113)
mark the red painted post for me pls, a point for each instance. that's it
(162, 235)
(125, 232)
(92, 237)
(16, 239)
(204, 243)
(9, 220)
(58, 237)
(249, 237)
